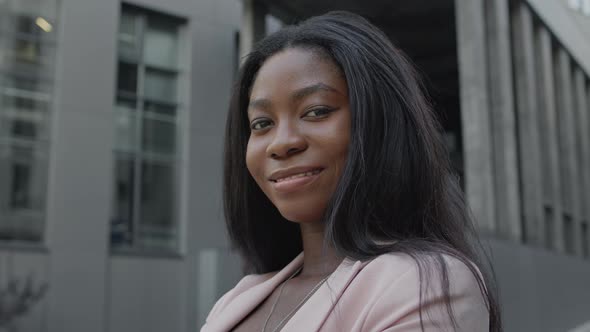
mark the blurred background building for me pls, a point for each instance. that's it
(111, 129)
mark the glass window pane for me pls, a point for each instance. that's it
(25, 24)
(125, 129)
(160, 85)
(128, 27)
(23, 128)
(27, 85)
(21, 181)
(128, 36)
(15, 124)
(25, 51)
(127, 102)
(46, 8)
(158, 136)
(5, 61)
(36, 27)
(146, 128)
(5, 125)
(157, 228)
(30, 70)
(161, 44)
(22, 199)
(127, 78)
(159, 108)
(24, 102)
(122, 219)
(28, 168)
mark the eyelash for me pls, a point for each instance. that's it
(256, 123)
(323, 112)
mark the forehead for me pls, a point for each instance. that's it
(295, 68)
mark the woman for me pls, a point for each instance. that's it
(339, 194)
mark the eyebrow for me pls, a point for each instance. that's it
(308, 90)
(297, 95)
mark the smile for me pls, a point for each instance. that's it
(297, 176)
(294, 180)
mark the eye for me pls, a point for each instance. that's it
(260, 124)
(319, 112)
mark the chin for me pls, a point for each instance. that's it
(301, 215)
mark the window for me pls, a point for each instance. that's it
(146, 132)
(27, 56)
(580, 5)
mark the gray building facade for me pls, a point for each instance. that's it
(133, 97)
(111, 131)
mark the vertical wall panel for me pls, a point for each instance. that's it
(583, 152)
(527, 113)
(567, 148)
(213, 48)
(586, 203)
(587, 168)
(253, 25)
(475, 116)
(503, 131)
(564, 25)
(549, 141)
(79, 195)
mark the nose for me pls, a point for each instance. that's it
(287, 141)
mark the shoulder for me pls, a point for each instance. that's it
(401, 291)
(391, 268)
(395, 265)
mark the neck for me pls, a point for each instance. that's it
(319, 260)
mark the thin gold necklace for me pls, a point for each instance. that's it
(297, 306)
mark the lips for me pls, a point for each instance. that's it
(293, 173)
(294, 179)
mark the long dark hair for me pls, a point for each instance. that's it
(397, 192)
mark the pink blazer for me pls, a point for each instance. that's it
(378, 295)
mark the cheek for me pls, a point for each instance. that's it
(335, 140)
(250, 159)
(343, 139)
(339, 144)
(254, 159)
(339, 157)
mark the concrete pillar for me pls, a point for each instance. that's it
(583, 152)
(549, 140)
(567, 149)
(506, 177)
(253, 25)
(528, 114)
(475, 118)
(587, 169)
(80, 180)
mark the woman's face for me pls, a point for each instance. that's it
(300, 130)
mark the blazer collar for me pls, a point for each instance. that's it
(245, 302)
(314, 311)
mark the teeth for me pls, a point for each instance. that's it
(300, 175)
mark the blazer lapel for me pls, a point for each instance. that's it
(247, 301)
(312, 314)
